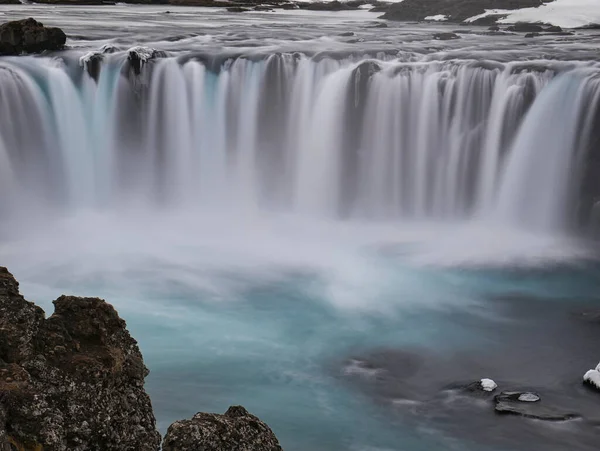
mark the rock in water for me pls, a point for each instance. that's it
(528, 405)
(236, 430)
(29, 36)
(72, 382)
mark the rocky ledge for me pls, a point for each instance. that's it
(29, 36)
(75, 382)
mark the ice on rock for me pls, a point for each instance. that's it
(488, 385)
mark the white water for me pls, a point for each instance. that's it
(328, 139)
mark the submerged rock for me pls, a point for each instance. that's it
(236, 430)
(73, 381)
(29, 36)
(527, 404)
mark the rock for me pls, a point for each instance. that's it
(289, 6)
(528, 404)
(138, 56)
(236, 430)
(92, 62)
(73, 381)
(494, 28)
(532, 35)
(378, 25)
(237, 9)
(10, 2)
(524, 27)
(553, 29)
(346, 33)
(445, 36)
(29, 36)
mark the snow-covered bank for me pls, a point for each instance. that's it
(563, 13)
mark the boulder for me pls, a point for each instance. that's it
(29, 36)
(73, 381)
(236, 430)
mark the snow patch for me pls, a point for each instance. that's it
(437, 18)
(489, 12)
(563, 13)
(488, 385)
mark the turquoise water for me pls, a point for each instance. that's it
(269, 321)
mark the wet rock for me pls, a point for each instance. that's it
(532, 35)
(236, 430)
(346, 33)
(524, 27)
(529, 405)
(445, 36)
(29, 36)
(553, 29)
(73, 381)
(92, 63)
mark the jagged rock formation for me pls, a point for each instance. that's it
(29, 36)
(236, 430)
(73, 381)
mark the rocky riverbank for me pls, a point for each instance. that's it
(75, 382)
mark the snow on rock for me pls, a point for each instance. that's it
(142, 53)
(488, 385)
(437, 18)
(563, 13)
(592, 377)
(528, 397)
(88, 57)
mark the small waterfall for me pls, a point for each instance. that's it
(357, 137)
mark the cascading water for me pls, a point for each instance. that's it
(362, 138)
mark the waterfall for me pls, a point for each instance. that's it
(370, 139)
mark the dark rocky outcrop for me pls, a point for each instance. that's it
(73, 381)
(236, 430)
(29, 36)
(524, 27)
(456, 10)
